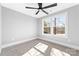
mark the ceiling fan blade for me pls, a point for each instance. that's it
(44, 11)
(37, 12)
(40, 5)
(31, 8)
(55, 4)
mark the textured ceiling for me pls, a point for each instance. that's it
(21, 8)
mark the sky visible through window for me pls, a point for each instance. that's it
(60, 21)
(55, 25)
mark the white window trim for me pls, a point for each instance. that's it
(66, 26)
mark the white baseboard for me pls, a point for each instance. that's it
(61, 43)
(32, 38)
(19, 42)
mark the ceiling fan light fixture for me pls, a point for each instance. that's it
(42, 8)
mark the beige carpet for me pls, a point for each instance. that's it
(39, 47)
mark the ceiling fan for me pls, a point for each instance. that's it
(42, 8)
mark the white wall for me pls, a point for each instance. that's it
(17, 26)
(0, 28)
(73, 28)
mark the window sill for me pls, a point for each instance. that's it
(56, 36)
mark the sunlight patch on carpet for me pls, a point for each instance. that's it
(40, 50)
(56, 52)
(33, 52)
(42, 47)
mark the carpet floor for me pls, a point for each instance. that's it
(39, 47)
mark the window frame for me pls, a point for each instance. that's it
(66, 25)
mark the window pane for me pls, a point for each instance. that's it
(47, 28)
(60, 25)
(55, 25)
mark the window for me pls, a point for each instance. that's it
(47, 26)
(55, 25)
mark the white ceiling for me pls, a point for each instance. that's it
(21, 8)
